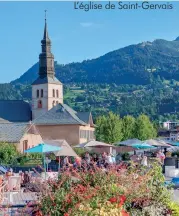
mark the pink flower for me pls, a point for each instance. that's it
(122, 200)
(124, 213)
(113, 199)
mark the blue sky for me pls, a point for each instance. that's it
(76, 35)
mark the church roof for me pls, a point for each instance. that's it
(3, 120)
(84, 116)
(12, 132)
(15, 111)
(47, 79)
(61, 114)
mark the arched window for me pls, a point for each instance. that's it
(56, 102)
(53, 104)
(39, 104)
(57, 94)
(37, 93)
(53, 92)
(42, 93)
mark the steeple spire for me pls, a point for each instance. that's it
(46, 58)
(45, 28)
(47, 90)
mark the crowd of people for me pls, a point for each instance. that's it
(106, 160)
(159, 155)
(100, 160)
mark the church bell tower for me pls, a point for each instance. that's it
(47, 90)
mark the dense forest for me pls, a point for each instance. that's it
(142, 78)
(135, 64)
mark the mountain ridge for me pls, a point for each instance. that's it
(140, 78)
(127, 65)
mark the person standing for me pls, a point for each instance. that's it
(87, 158)
(113, 159)
(66, 161)
(109, 159)
(104, 157)
(144, 161)
(95, 158)
(78, 161)
(161, 156)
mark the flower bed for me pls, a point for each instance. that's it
(119, 191)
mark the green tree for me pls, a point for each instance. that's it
(109, 128)
(144, 128)
(7, 153)
(100, 125)
(128, 127)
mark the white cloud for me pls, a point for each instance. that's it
(86, 24)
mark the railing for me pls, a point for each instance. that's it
(2, 191)
(51, 166)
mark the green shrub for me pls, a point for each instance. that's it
(175, 153)
(174, 207)
(36, 156)
(7, 153)
(125, 156)
(79, 151)
(23, 159)
(138, 193)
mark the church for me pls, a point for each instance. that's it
(47, 112)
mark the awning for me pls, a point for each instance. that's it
(66, 149)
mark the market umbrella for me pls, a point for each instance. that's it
(43, 148)
(128, 142)
(65, 151)
(157, 143)
(142, 146)
(174, 143)
(93, 143)
(173, 148)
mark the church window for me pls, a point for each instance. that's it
(53, 103)
(53, 92)
(37, 93)
(25, 145)
(42, 93)
(56, 102)
(57, 94)
(87, 134)
(39, 104)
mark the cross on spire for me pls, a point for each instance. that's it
(45, 15)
